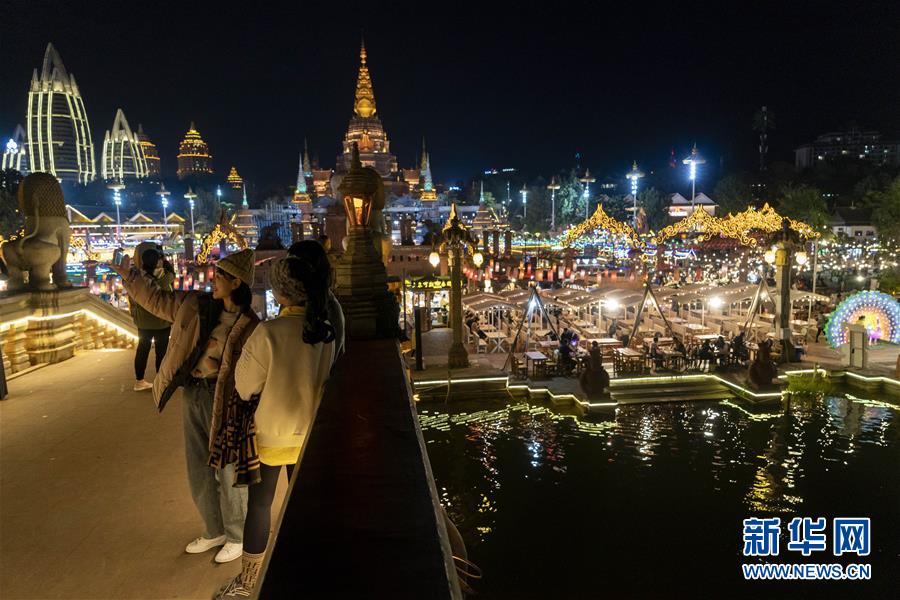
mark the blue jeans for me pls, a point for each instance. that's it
(222, 506)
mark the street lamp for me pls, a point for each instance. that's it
(191, 196)
(524, 192)
(587, 180)
(454, 237)
(634, 176)
(553, 186)
(693, 160)
(163, 194)
(117, 186)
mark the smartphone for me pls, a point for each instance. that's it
(118, 256)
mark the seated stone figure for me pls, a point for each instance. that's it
(43, 247)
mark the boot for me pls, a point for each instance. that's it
(242, 585)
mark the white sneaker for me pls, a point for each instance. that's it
(141, 385)
(229, 552)
(202, 544)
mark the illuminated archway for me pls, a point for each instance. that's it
(224, 230)
(602, 221)
(879, 312)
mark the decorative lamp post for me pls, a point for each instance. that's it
(633, 177)
(692, 161)
(190, 196)
(117, 186)
(553, 186)
(587, 180)
(524, 192)
(454, 237)
(370, 310)
(163, 194)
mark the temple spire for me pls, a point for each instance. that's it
(481, 193)
(301, 177)
(244, 203)
(364, 105)
(307, 169)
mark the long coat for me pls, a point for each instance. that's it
(190, 312)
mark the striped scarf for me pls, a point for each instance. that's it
(236, 442)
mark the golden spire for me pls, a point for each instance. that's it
(364, 106)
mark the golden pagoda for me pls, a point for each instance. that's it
(234, 180)
(193, 155)
(365, 130)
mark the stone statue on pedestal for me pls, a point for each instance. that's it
(44, 245)
(763, 370)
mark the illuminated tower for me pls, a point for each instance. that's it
(123, 156)
(365, 130)
(151, 155)
(428, 193)
(15, 156)
(58, 132)
(193, 155)
(234, 180)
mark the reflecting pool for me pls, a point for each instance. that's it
(650, 503)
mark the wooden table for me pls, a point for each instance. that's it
(706, 336)
(536, 358)
(548, 344)
(606, 344)
(591, 331)
(627, 360)
(487, 327)
(672, 360)
(663, 341)
(498, 338)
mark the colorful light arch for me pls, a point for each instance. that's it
(880, 313)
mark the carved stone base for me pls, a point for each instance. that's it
(370, 311)
(48, 327)
(457, 356)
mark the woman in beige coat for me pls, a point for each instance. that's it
(208, 334)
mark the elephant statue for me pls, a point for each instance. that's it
(43, 247)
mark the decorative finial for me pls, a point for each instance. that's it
(354, 157)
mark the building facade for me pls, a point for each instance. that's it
(193, 155)
(151, 155)
(15, 155)
(123, 156)
(863, 145)
(58, 132)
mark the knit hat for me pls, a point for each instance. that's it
(282, 281)
(240, 264)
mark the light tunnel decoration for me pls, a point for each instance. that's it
(880, 313)
(601, 220)
(224, 230)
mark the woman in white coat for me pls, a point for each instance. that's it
(286, 362)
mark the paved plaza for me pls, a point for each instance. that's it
(94, 499)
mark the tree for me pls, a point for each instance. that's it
(655, 205)
(804, 203)
(886, 215)
(733, 194)
(207, 211)
(10, 220)
(570, 199)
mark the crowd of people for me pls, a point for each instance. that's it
(250, 389)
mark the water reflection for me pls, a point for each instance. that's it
(516, 476)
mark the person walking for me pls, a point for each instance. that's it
(209, 331)
(285, 364)
(151, 329)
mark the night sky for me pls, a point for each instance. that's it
(505, 85)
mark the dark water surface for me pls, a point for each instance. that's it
(650, 504)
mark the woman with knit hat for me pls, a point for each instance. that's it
(208, 334)
(285, 363)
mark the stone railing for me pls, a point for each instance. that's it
(48, 327)
(362, 518)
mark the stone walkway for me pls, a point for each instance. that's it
(94, 500)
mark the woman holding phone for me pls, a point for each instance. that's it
(208, 334)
